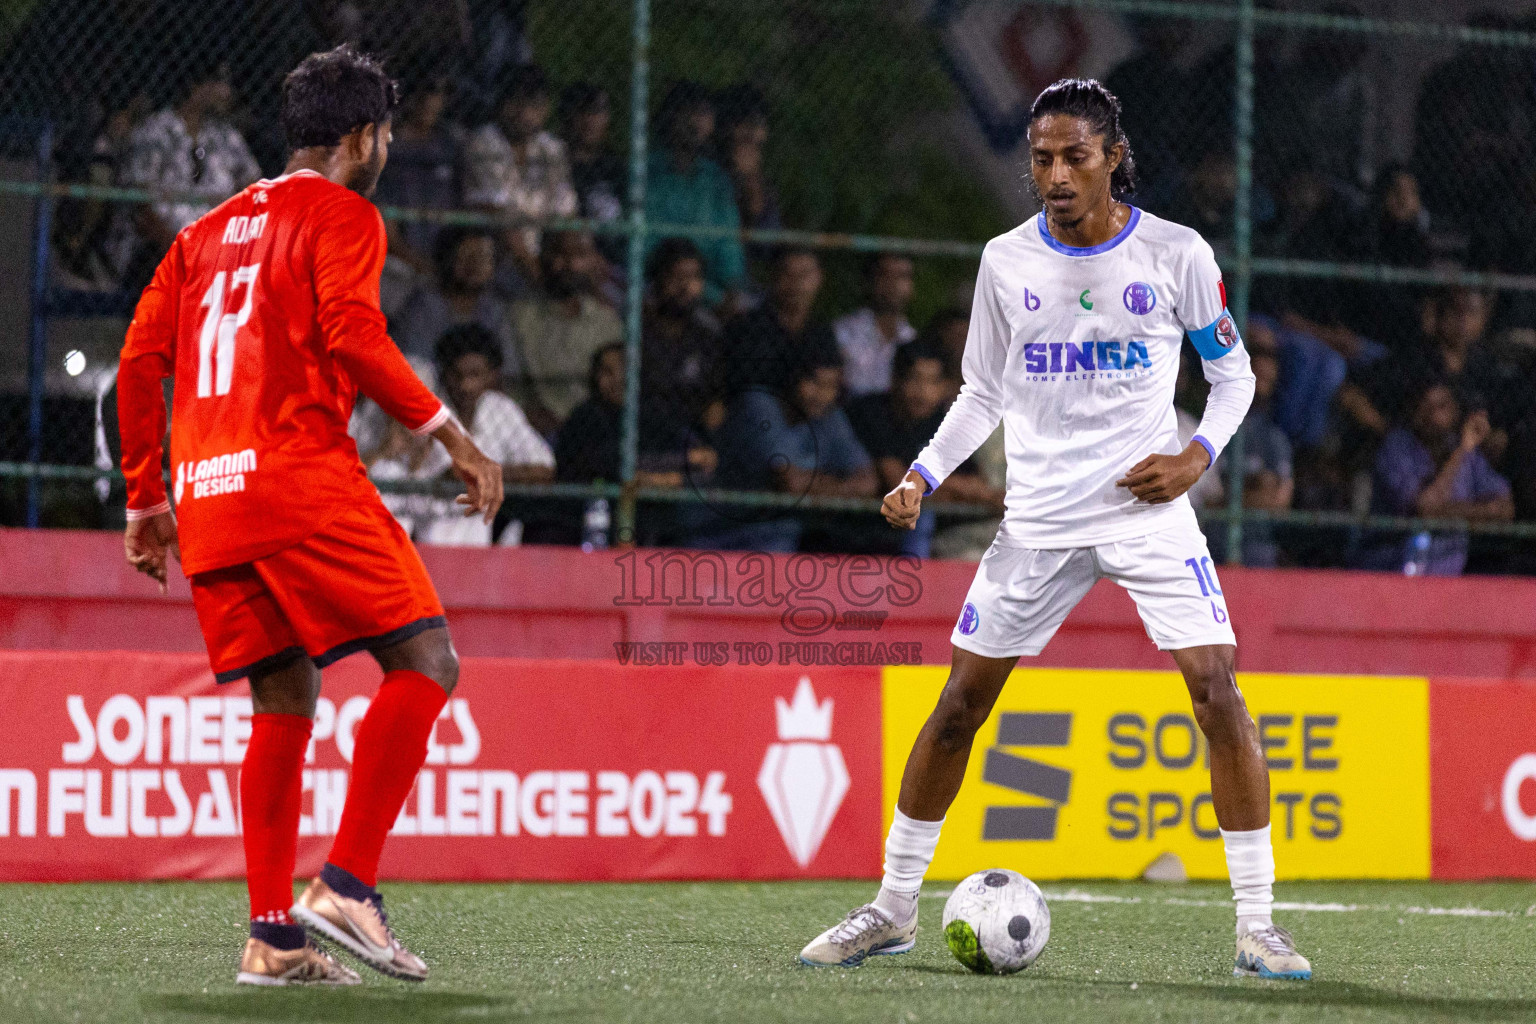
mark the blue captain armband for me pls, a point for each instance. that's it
(1218, 338)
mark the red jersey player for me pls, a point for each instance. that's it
(266, 314)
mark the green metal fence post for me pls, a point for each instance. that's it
(629, 440)
(1242, 244)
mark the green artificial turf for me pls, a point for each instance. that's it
(684, 952)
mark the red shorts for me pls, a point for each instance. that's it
(356, 585)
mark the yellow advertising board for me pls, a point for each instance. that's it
(1092, 774)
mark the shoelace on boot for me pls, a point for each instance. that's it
(377, 900)
(858, 920)
(1275, 939)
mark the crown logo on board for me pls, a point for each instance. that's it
(805, 718)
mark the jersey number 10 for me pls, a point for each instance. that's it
(216, 366)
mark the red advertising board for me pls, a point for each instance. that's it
(121, 765)
(1482, 756)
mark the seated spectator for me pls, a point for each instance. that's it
(1456, 349)
(680, 366)
(187, 148)
(894, 426)
(947, 330)
(465, 264)
(743, 135)
(597, 175)
(420, 174)
(684, 186)
(764, 348)
(514, 166)
(558, 331)
(588, 447)
(868, 337)
(796, 443)
(1268, 482)
(1395, 233)
(1434, 468)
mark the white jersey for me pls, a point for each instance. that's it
(1076, 350)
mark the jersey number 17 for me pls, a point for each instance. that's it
(216, 342)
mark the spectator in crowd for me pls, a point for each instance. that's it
(514, 166)
(1457, 350)
(895, 425)
(1323, 98)
(1205, 203)
(465, 265)
(469, 362)
(588, 445)
(498, 46)
(1434, 468)
(1154, 90)
(596, 173)
(1473, 124)
(189, 147)
(1268, 480)
(421, 174)
(743, 136)
(799, 442)
(869, 336)
(684, 186)
(558, 330)
(92, 240)
(946, 331)
(764, 348)
(1395, 233)
(680, 365)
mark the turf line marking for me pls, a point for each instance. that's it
(1079, 896)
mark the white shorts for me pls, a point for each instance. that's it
(1021, 596)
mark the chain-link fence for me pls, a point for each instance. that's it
(661, 231)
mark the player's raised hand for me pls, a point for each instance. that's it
(148, 541)
(902, 506)
(483, 492)
(1158, 479)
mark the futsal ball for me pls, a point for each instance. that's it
(996, 922)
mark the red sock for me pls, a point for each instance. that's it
(391, 748)
(271, 787)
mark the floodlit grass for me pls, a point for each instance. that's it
(685, 952)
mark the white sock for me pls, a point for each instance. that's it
(908, 852)
(1251, 866)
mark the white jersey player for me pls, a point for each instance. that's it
(1074, 346)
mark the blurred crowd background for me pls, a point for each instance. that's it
(818, 179)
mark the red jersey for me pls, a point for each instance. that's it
(266, 314)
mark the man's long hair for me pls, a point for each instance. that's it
(1088, 99)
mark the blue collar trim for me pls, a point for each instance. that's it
(1092, 250)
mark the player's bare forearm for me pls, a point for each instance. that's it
(483, 491)
(1158, 479)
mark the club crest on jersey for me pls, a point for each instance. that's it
(969, 619)
(1140, 298)
(1226, 331)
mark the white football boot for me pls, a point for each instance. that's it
(865, 932)
(1270, 953)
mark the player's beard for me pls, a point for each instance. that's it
(366, 178)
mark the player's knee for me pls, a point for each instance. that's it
(958, 715)
(442, 667)
(1218, 704)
